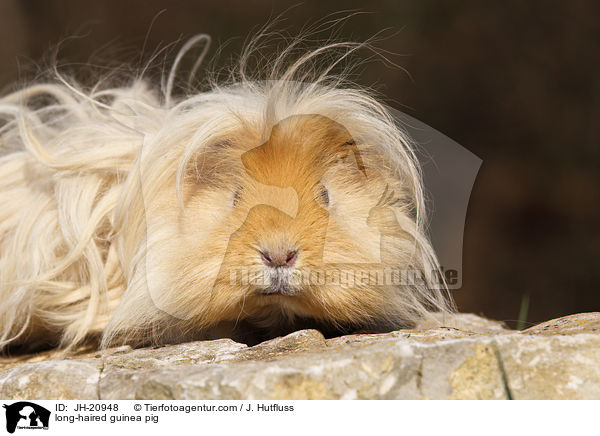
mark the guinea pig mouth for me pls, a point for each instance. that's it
(275, 291)
(278, 283)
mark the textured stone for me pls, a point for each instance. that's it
(567, 325)
(558, 366)
(459, 357)
(52, 380)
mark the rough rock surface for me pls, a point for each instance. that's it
(471, 358)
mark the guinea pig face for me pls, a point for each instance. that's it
(264, 225)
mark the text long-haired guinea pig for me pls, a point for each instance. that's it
(133, 214)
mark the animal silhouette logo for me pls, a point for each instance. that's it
(278, 193)
(26, 415)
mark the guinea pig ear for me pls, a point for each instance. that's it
(350, 147)
(208, 164)
(338, 143)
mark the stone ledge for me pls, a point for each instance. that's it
(471, 358)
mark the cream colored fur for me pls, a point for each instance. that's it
(115, 215)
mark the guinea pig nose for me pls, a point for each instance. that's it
(279, 258)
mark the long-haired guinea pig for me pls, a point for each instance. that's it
(253, 208)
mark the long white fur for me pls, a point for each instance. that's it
(73, 162)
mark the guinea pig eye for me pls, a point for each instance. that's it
(324, 195)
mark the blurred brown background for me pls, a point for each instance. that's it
(517, 83)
